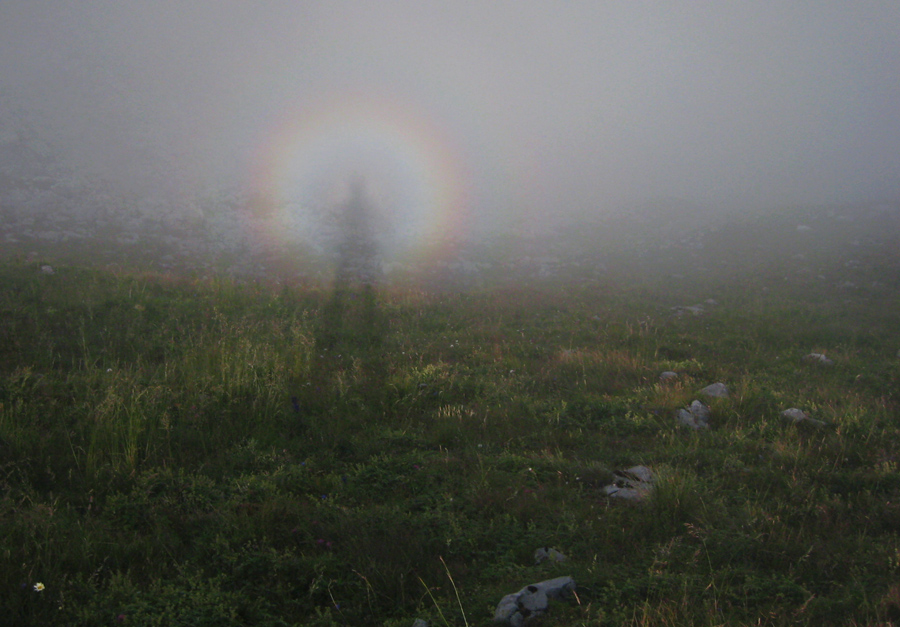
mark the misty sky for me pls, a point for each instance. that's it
(548, 106)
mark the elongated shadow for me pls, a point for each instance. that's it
(350, 333)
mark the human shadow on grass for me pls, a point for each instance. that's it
(350, 331)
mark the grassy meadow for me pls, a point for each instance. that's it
(187, 451)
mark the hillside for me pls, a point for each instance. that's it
(217, 452)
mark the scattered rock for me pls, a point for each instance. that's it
(641, 473)
(794, 415)
(47, 269)
(696, 416)
(797, 416)
(544, 554)
(684, 417)
(420, 623)
(633, 484)
(668, 376)
(700, 411)
(532, 601)
(716, 390)
(818, 358)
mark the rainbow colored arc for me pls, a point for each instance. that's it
(413, 171)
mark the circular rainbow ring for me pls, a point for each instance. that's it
(414, 173)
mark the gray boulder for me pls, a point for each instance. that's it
(532, 601)
(716, 390)
(668, 376)
(700, 412)
(633, 484)
(696, 416)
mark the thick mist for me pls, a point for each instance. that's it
(463, 117)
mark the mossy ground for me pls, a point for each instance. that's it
(203, 452)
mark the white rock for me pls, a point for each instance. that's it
(531, 601)
(717, 390)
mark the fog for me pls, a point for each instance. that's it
(464, 113)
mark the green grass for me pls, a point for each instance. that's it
(180, 451)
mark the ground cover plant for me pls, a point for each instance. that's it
(195, 451)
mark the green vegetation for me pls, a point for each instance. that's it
(205, 452)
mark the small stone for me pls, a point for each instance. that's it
(798, 416)
(794, 415)
(531, 601)
(47, 269)
(717, 390)
(685, 417)
(508, 611)
(544, 554)
(534, 601)
(633, 484)
(641, 473)
(818, 358)
(420, 623)
(628, 494)
(696, 416)
(700, 412)
(668, 376)
(558, 588)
